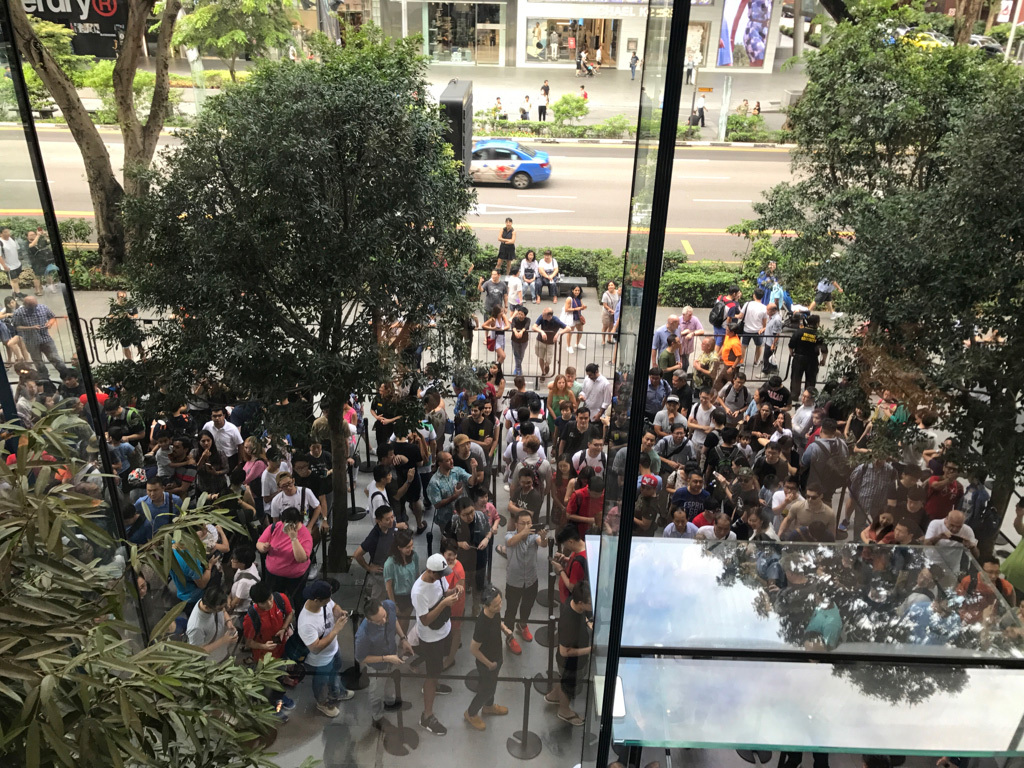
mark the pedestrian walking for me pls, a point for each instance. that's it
(545, 100)
(583, 93)
(701, 102)
(487, 651)
(633, 61)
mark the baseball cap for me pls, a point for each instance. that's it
(317, 590)
(649, 481)
(672, 399)
(460, 439)
(744, 472)
(438, 564)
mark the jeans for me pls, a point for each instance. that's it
(521, 600)
(327, 684)
(519, 349)
(381, 689)
(636, 295)
(529, 291)
(39, 347)
(632, 71)
(542, 112)
(551, 284)
(486, 685)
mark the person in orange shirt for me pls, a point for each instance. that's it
(450, 550)
(978, 593)
(732, 350)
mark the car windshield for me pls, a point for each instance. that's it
(526, 150)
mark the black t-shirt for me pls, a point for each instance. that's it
(533, 500)
(573, 632)
(520, 322)
(574, 438)
(475, 431)
(487, 632)
(618, 436)
(318, 485)
(378, 545)
(779, 398)
(806, 342)
(320, 465)
(411, 451)
(685, 395)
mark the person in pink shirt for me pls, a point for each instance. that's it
(286, 546)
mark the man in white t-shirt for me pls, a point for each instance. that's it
(755, 317)
(276, 464)
(320, 620)
(699, 420)
(247, 573)
(432, 602)
(720, 531)
(209, 626)
(515, 290)
(225, 435)
(952, 531)
(292, 496)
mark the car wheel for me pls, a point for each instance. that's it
(521, 180)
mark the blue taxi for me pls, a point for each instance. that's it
(503, 161)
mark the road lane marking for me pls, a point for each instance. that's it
(495, 209)
(552, 197)
(22, 181)
(687, 248)
(718, 200)
(708, 178)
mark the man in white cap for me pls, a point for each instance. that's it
(432, 602)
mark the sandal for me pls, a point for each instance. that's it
(575, 720)
(421, 528)
(500, 549)
(548, 699)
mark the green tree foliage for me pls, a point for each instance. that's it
(906, 166)
(569, 109)
(234, 28)
(57, 39)
(77, 684)
(305, 235)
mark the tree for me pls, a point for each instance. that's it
(905, 163)
(306, 237)
(77, 682)
(234, 28)
(569, 109)
(140, 135)
(57, 39)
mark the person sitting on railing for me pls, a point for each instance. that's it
(754, 317)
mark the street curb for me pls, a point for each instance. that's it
(170, 131)
(620, 142)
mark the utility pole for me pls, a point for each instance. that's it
(1013, 29)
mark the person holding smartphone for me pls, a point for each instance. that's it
(486, 649)
(381, 645)
(320, 621)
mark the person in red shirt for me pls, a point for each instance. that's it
(570, 563)
(586, 506)
(944, 492)
(978, 593)
(265, 627)
(450, 550)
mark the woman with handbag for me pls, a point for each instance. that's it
(286, 546)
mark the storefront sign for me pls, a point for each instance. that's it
(1005, 9)
(98, 24)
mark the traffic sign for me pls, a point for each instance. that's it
(706, 90)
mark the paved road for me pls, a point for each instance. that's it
(585, 203)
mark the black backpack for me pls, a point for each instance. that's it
(717, 315)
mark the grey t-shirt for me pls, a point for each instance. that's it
(662, 419)
(522, 561)
(494, 293)
(735, 400)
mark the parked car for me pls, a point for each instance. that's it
(503, 161)
(987, 44)
(922, 38)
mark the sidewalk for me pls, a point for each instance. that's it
(610, 93)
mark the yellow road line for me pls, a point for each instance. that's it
(39, 212)
(687, 248)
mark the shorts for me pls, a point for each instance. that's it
(499, 341)
(545, 353)
(822, 297)
(433, 655)
(415, 491)
(719, 335)
(757, 338)
(14, 274)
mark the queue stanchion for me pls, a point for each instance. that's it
(524, 744)
(399, 739)
(544, 598)
(354, 512)
(366, 466)
(545, 634)
(546, 683)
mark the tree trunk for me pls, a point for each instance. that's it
(965, 21)
(1001, 448)
(990, 19)
(104, 188)
(231, 70)
(337, 554)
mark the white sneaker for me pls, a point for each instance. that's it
(314, 569)
(581, 345)
(571, 351)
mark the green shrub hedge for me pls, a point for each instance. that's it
(698, 284)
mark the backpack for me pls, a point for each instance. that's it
(254, 615)
(717, 315)
(534, 473)
(295, 649)
(583, 461)
(725, 459)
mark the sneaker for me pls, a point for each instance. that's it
(287, 704)
(442, 690)
(393, 706)
(380, 724)
(475, 720)
(525, 633)
(495, 709)
(432, 725)
(514, 647)
(344, 697)
(505, 486)
(580, 345)
(282, 717)
(314, 569)
(570, 350)
(328, 709)
(844, 525)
